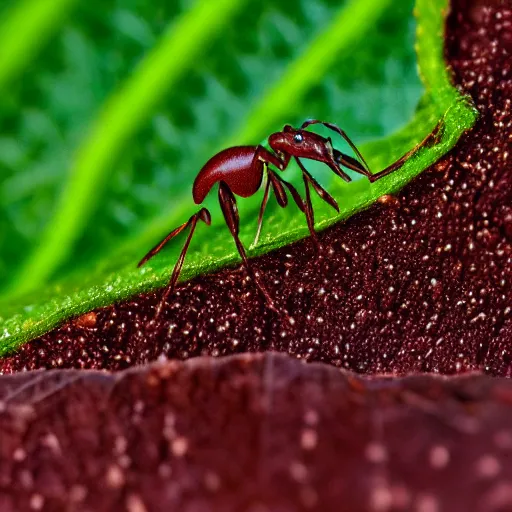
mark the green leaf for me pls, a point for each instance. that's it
(113, 118)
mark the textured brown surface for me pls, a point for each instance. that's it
(254, 433)
(425, 285)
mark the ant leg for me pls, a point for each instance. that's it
(281, 197)
(280, 194)
(319, 189)
(263, 157)
(350, 163)
(277, 185)
(293, 191)
(279, 191)
(354, 165)
(203, 215)
(396, 165)
(161, 244)
(309, 180)
(262, 211)
(310, 218)
(341, 132)
(229, 209)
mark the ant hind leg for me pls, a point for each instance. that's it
(204, 215)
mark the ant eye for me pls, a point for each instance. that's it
(298, 137)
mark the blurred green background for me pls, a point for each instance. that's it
(97, 153)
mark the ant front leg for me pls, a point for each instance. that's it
(318, 188)
(352, 163)
(310, 181)
(229, 209)
(396, 165)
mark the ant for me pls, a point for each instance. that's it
(240, 171)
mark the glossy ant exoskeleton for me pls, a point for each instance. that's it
(240, 170)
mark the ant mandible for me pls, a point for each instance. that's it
(240, 170)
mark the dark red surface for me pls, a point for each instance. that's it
(422, 284)
(254, 433)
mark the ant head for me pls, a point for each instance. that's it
(301, 143)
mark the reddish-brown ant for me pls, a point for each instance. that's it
(240, 171)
